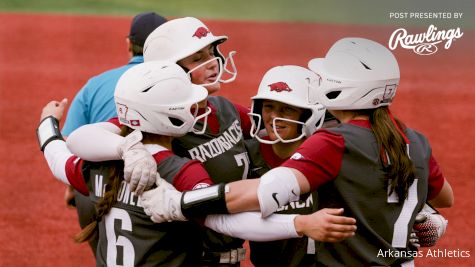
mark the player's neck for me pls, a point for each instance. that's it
(162, 140)
(285, 150)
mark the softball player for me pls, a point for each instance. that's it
(281, 108)
(220, 141)
(371, 165)
(95, 101)
(127, 237)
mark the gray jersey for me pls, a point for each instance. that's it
(128, 237)
(383, 222)
(285, 253)
(223, 155)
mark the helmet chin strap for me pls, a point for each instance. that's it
(223, 68)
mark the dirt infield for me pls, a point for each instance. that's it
(51, 57)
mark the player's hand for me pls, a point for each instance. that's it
(326, 225)
(69, 197)
(429, 227)
(140, 168)
(55, 109)
(162, 204)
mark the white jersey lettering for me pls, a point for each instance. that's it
(98, 185)
(218, 145)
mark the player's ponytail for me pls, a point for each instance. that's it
(103, 206)
(110, 197)
(400, 171)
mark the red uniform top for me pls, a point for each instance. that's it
(319, 158)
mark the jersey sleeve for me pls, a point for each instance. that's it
(192, 176)
(436, 179)
(74, 174)
(78, 114)
(115, 121)
(245, 120)
(319, 158)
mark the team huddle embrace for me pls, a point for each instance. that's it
(318, 172)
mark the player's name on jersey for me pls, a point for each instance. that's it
(124, 196)
(218, 145)
(298, 204)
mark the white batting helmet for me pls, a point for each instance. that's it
(179, 38)
(157, 97)
(289, 85)
(356, 73)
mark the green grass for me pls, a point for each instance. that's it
(373, 12)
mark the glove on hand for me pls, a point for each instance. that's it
(429, 226)
(140, 168)
(163, 204)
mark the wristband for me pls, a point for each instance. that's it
(47, 131)
(204, 201)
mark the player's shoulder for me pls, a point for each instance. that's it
(324, 138)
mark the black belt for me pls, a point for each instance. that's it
(232, 256)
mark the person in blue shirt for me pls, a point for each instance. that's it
(95, 102)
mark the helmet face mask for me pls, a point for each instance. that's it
(222, 69)
(157, 97)
(180, 38)
(288, 85)
(355, 74)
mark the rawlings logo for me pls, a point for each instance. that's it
(279, 87)
(424, 43)
(201, 32)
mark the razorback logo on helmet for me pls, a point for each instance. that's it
(135, 122)
(279, 87)
(201, 32)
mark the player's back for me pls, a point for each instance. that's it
(128, 237)
(384, 223)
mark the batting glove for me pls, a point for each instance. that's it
(429, 226)
(140, 168)
(163, 204)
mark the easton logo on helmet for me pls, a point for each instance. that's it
(201, 32)
(279, 87)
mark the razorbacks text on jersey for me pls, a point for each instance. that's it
(221, 150)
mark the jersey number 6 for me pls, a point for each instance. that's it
(114, 241)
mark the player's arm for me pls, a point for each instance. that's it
(96, 142)
(326, 225)
(165, 203)
(55, 151)
(276, 188)
(101, 142)
(440, 192)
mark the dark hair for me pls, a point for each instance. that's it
(400, 170)
(137, 50)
